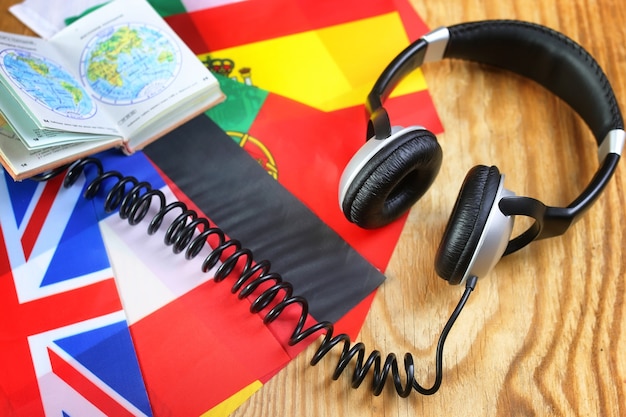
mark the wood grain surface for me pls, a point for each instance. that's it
(545, 333)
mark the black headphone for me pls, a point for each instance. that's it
(396, 165)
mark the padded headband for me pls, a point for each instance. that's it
(543, 55)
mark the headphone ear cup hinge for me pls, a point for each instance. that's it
(379, 126)
(549, 221)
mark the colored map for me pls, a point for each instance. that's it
(129, 63)
(47, 83)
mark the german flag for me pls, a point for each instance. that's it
(210, 170)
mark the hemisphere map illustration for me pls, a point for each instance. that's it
(47, 83)
(129, 63)
(120, 65)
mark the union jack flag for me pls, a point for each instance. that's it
(65, 346)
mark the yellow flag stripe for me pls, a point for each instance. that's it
(228, 406)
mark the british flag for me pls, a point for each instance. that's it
(65, 346)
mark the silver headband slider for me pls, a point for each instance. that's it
(437, 42)
(613, 142)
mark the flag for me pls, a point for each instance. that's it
(47, 17)
(321, 53)
(66, 348)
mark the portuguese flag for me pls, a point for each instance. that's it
(306, 149)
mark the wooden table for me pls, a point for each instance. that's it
(545, 332)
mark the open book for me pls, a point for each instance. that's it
(120, 76)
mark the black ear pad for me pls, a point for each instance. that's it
(393, 180)
(466, 223)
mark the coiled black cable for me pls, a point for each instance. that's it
(189, 233)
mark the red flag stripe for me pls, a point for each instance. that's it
(40, 214)
(70, 306)
(5, 265)
(16, 366)
(257, 20)
(86, 388)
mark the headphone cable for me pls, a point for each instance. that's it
(190, 232)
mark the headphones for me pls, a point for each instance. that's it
(396, 165)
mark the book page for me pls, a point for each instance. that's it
(32, 135)
(22, 163)
(134, 65)
(46, 88)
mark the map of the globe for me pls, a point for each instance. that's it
(47, 83)
(129, 63)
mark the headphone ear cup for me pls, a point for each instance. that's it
(467, 222)
(393, 179)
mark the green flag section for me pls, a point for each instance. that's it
(242, 104)
(168, 7)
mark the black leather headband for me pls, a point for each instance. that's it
(536, 52)
(543, 55)
(547, 57)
